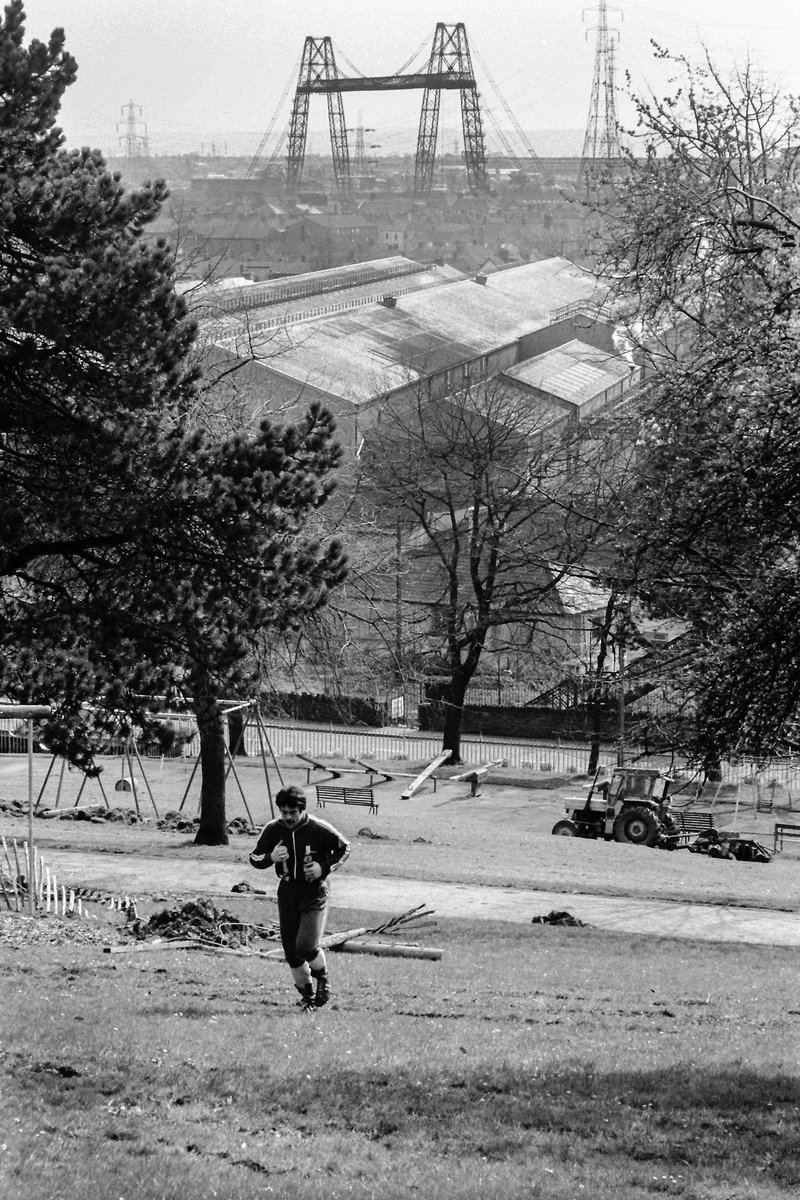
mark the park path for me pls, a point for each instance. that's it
(142, 876)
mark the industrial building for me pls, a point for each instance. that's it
(377, 334)
(360, 337)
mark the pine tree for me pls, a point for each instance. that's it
(138, 555)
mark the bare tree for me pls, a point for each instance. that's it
(480, 504)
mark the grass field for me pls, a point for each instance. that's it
(501, 837)
(530, 1061)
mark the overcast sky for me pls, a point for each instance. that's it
(222, 72)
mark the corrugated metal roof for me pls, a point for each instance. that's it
(575, 372)
(330, 276)
(359, 354)
(472, 312)
(353, 356)
(545, 286)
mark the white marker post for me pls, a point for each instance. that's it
(28, 712)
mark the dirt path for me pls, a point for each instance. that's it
(167, 877)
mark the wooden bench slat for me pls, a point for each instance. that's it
(694, 822)
(784, 830)
(329, 794)
(690, 823)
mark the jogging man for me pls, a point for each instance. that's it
(304, 850)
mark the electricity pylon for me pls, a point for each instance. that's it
(136, 144)
(601, 146)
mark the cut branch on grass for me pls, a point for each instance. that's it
(343, 941)
(389, 950)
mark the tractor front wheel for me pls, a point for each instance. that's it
(638, 826)
(565, 829)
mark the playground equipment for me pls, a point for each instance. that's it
(337, 770)
(127, 782)
(417, 783)
(251, 715)
(474, 775)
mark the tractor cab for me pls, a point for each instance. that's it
(637, 783)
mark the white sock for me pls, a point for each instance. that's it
(301, 976)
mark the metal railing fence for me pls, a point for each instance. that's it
(549, 757)
(340, 742)
(344, 743)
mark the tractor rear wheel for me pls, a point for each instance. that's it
(638, 826)
(565, 829)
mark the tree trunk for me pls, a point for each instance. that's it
(594, 753)
(213, 829)
(453, 718)
(713, 768)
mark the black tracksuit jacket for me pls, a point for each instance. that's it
(312, 836)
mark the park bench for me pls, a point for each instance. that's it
(782, 830)
(328, 793)
(691, 823)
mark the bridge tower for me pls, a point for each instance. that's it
(449, 68)
(318, 73)
(450, 59)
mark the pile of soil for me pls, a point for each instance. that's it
(558, 918)
(176, 822)
(97, 815)
(202, 921)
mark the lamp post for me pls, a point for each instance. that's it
(621, 703)
(623, 617)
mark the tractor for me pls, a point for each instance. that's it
(631, 805)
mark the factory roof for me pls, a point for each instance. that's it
(480, 315)
(363, 352)
(310, 296)
(575, 372)
(360, 354)
(547, 286)
(332, 278)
